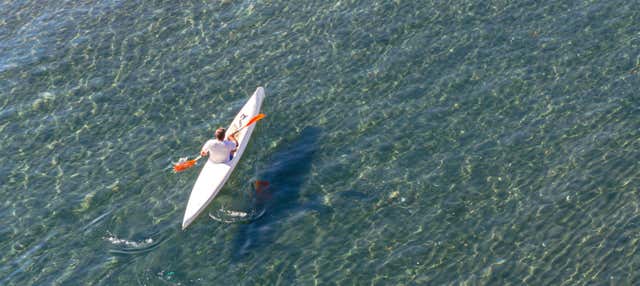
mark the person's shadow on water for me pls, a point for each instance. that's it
(277, 192)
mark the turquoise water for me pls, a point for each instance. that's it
(405, 143)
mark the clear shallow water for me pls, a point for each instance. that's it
(405, 143)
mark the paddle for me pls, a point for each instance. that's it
(181, 166)
(252, 121)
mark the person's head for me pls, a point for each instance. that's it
(220, 133)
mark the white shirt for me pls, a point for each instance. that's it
(219, 151)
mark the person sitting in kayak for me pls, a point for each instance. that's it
(219, 149)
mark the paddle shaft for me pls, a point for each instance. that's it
(252, 121)
(236, 132)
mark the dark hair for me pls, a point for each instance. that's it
(220, 133)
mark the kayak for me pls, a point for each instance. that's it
(213, 176)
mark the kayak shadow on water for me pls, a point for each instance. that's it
(277, 192)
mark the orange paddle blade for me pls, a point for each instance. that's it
(255, 118)
(179, 167)
(252, 121)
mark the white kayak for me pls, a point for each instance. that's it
(214, 175)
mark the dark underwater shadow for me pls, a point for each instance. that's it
(285, 172)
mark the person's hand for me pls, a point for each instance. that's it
(232, 137)
(203, 153)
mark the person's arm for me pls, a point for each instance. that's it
(233, 139)
(204, 152)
